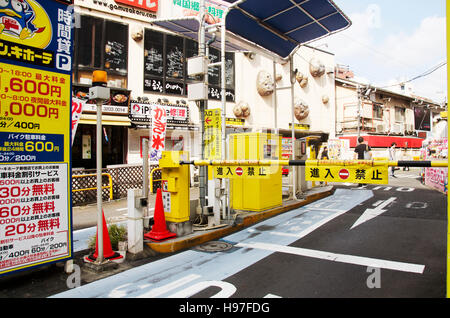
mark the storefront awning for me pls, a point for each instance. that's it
(106, 120)
(275, 27)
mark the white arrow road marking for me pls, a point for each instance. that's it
(372, 213)
(342, 258)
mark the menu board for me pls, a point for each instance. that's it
(153, 54)
(174, 57)
(116, 46)
(214, 74)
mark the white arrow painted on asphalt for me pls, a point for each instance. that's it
(372, 213)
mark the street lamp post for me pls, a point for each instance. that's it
(99, 93)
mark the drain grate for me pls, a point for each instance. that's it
(215, 246)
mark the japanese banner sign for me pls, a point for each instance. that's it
(213, 134)
(158, 135)
(77, 109)
(35, 133)
(361, 173)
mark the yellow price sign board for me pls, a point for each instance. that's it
(352, 174)
(35, 141)
(213, 134)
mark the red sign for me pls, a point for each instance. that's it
(344, 174)
(150, 5)
(239, 171)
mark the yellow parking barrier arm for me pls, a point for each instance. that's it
(372, 163)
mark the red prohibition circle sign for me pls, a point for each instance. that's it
(344, 174)
(239, 171)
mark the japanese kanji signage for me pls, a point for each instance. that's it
(158, 135)
(175, 114)
(35, 129)
(213, 134)
(77, 109)
(230, 172)
(362, 173)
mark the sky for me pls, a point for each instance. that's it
(392, 41)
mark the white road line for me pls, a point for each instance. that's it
(342, 258)
(314, 226)
(369, 214)
(169, 287)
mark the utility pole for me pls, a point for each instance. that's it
(358, 91)
(202, 107)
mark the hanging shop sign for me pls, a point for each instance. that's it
(216, 9)
(175, 114)
(150, 5)
(35, 133)
(158, 132)
(213, 134)
(234, 121)
(361, 173)
(300, 126)
(77, 109)
(116, 7)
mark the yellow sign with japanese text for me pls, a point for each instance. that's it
(353, 173)
(34, 103)
(35, 127)
(213, 134)
(230, 172)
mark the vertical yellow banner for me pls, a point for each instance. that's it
(213, 134)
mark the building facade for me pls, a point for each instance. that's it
(383, 117)
(147, 65)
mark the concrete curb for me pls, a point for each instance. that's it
(197, 238)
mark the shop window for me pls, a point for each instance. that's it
(101, 44)
(113, 146)
(165, 64)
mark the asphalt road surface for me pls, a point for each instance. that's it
(373, 241)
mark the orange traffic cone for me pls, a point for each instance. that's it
(159, 230)
(108, 253)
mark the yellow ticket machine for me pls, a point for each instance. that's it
(261, 191)
(175, 186)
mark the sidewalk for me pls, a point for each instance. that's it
(51, 279)
(85, 221)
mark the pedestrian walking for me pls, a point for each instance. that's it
(405, 156)
(324, 155)
(362, 152)
(392, 157)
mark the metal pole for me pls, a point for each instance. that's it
(294, 169)
(318, 163)
(145, 186)
(202, 107)
(99, 184)
(225, 211)
(359, 108)
(274, 98)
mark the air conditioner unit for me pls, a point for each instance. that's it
(397, 128)
(380, 129)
